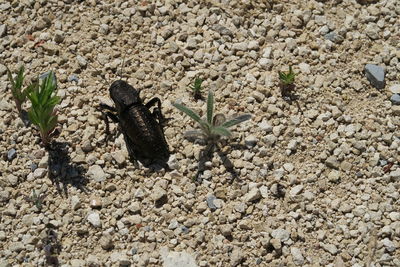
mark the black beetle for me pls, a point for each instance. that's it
(142, 129)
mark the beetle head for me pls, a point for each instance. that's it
(124, 94)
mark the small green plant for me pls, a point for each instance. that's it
(42, 113)
(196, 88)
(37, 200)
(18, 93)
(287, 78)
(287, 83)
(213, 127)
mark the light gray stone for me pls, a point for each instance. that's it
(77, 263)
(375, 75)
(158, 193)
(106, 242)
(394, 89)
(334, 176)
(96, 172)
(389, 245)
(3, 30)
(39, 173)
(236, 257)
(250, 141)
(177, 259)
(280, 234)
(296, 190)
(12, 179)
(94, 219)
(297, 256)
(222, 30)
(265, 126)
(332, 162)
(253, 195)
(75, 202)
(331, 248)
(239, 46)
(395, 99)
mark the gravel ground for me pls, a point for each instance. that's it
(315, 181)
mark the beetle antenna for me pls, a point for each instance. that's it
(122, 67)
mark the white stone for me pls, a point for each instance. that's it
(296, 190)
(97, 173)
(240, 46)
(39, 173)
(265, 126)
(253, 195)
(331, 248)
(94, 219)
(297, 256)
(158, 193)
(395, 89)
(177, 259)
(304, 68)
(280, 234)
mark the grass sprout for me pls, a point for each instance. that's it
(42, 112)
(287, 78)
(18, 93)
(196, 88)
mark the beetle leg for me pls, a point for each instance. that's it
(106, 107)
(157, 111)
(106, 115)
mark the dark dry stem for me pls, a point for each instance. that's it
(18, 104)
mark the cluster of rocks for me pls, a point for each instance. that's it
(313, 181)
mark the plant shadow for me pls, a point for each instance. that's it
(287, 92)
(206, 155)
(23, 115)
(51, 246)
(62, 172)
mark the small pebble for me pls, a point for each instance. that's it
(11, 154)
(395, 99)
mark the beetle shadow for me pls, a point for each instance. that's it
(52, 246)
(62, 172)
(287, 92)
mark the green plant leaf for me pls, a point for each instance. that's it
(206, 127)
(10, 78)
(236, 120)
(188, 112)
(210, 107)
(221, 131)
(43, 102)
(20, 78)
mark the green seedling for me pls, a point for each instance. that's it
(287, 78)
(36, 200)
(42, 113)
(287, 82)
(18, 93)
(212, 127)
(196, 88)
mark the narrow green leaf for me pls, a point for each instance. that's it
(52, 123)
(236, 120)
(33, 117)
(20, 78)
(221, 131)
(10, 78)
(206, 127)
(210, 106)
(188, 112)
